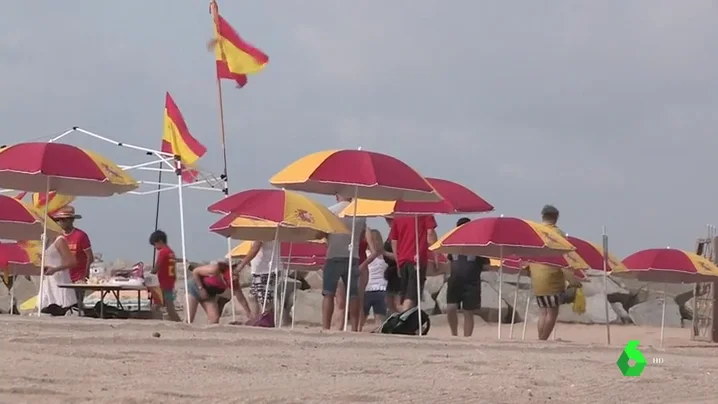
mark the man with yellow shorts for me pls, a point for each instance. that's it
(549, 283)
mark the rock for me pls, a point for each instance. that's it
(433, 285)
(595, 312)
(24, 289)
(622, 313)
(493, 278)
(156, 334)
(649, 313)
(314, 280)
(309, 307)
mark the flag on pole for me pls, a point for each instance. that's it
(235, 57)
(54, 201)
(177, 140)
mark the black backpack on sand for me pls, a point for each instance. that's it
(406, 323)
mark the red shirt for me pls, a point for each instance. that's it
(166, 268)
(403, 231)
(79, 243)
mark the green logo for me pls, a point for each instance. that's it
(631, 352)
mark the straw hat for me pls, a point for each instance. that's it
(65, 212)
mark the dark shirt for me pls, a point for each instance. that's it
(390, 262)
(467, 269)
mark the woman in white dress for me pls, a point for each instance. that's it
(58, 261)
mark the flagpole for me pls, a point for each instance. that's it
(214, 10)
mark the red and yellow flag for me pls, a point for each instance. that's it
(177, 140)
(54, 201)
(235, 57)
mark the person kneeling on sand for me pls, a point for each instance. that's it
(464, 289)
(206, 282)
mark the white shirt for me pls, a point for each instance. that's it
(260, 264)
(338, 244)
(376, 281)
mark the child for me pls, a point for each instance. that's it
(375, 290)
(165, 270)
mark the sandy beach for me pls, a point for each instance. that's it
(127, 362)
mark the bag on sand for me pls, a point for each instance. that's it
(406, 323)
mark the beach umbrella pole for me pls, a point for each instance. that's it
(351, 259)
(272, 263)
(516, 302)
(501, 282)
(231, 279)
(605, 284)
(44, 247)
(182, 237)
(526, 316)
(418, 271)
(663, 315)
(294, 304)
(286, 280)
(12, 294)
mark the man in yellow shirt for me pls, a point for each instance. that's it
(549, 283)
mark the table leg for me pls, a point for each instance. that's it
(138, 300)
(116, 293)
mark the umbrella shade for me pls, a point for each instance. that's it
(70, 170)
(287, 208)
(54, 201)
(298, 251)
(20, 221)
(515, 265)
(592, 254)
(21, 258)
(241, 228)
(457, 199)
(368, 175)
(667, 265)
(497, 237)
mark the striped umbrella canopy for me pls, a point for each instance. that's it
(64, 168)
(20, 221)
(456, 199)
(21, 258)
(357, 174)
(279, 209)
(500, 237)
(668, 265)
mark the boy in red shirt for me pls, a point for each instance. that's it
(165, 270)
(403, 243)
(80, 246)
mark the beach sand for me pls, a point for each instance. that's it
(75, 360)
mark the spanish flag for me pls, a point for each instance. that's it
(177, 140)
(235, 58)
(54, 201)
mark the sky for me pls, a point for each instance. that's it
(608, 110)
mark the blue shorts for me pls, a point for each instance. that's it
(193, 291)
(375, 300)
(338, 268)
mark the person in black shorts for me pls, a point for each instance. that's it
(464, 289)
(393, 286)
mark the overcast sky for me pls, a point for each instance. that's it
(607, 109)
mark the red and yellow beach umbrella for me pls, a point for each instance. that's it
(592, 255)
(53, 200)
(667, 265)
(67, 169)
(20, 221)
(499, 237)
(355, 173)
(21, 258)
(299, 255)
(279, 209)
(456, 199)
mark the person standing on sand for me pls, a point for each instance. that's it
(549, 282)
(375, 288)
(260, 260)
(80, 246)
(393, 281)
(464, 288)
(336, 266)
(403, 243)
(165, 269)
